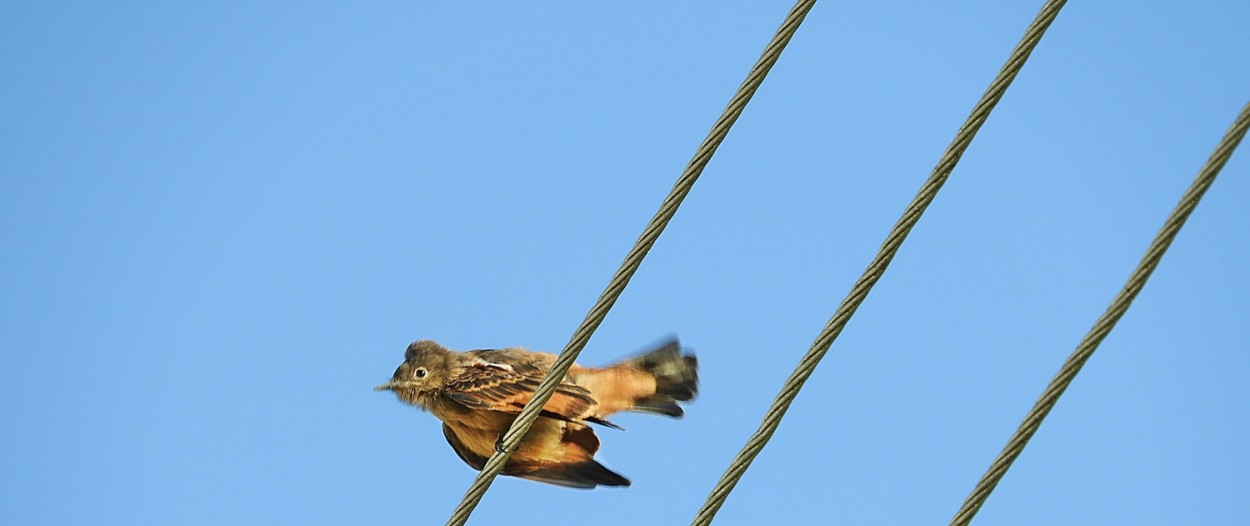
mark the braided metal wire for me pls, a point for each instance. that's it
(873, 273)
(1105, 322)
(652, 232)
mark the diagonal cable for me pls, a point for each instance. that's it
(720, 129)
(1105, 322)
(874, 271)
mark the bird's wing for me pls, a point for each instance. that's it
(466, 454)
(505, 380)
(559, 453)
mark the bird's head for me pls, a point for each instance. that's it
(425, 369)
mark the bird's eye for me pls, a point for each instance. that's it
(421, 372)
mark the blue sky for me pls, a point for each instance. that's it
(222, 223)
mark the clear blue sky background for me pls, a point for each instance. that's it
(222, 223)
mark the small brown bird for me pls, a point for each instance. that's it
(477, 395)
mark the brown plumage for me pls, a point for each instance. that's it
(477, 395)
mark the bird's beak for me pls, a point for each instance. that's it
(395, 385)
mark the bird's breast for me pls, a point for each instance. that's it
(460, 415)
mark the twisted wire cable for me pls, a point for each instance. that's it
(873, 273)
(1105, 322)
(681, 188)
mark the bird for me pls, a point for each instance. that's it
(477, 394)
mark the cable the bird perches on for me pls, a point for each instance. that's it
(544, 391)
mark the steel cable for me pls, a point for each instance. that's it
(1105, 322)
(681, 188)
(874, 271)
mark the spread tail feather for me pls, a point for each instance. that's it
(676, 379)
(582, 475)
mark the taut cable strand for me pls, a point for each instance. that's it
(701, 157)
(1105, 322)
(874, 271)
